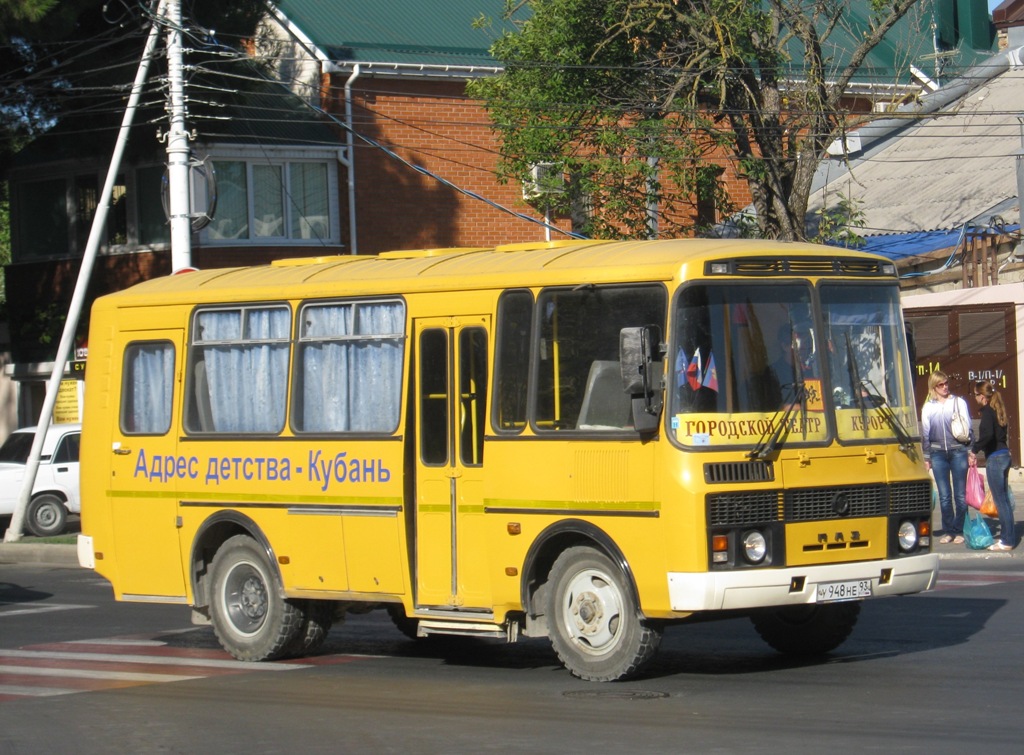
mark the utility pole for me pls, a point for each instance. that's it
(178, 151)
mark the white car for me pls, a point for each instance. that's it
(55, 492)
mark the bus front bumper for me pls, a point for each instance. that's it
(758, 588)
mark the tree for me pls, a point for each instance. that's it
(72, 62)
(649, 106)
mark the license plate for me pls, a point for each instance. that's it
(832, 592)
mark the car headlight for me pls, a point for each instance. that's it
(755, 547)
(907, 536)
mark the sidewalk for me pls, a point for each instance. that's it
(961, 551)
(27, 552)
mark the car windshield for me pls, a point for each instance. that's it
(15, 449)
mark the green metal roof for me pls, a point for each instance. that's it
(446, 32)
(431, 32)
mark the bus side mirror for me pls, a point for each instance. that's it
(641, 374)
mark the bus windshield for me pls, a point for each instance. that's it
(829, 362)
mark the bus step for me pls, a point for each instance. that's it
(427, 627)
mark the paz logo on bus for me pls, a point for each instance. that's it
(841, 503)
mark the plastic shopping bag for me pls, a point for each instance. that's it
(975, 488)
(976, 532)
(988, 506)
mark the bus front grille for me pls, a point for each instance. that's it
(743, 508)
(739, 471)
(910, 497)
(810, 504)
(817, 504)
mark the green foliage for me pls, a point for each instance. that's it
(839, 224)
(650, 103)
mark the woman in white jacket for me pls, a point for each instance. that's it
(946, 456)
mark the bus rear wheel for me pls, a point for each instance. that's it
(807, 630)
(317, 619)
(251, 618)
(595, 628)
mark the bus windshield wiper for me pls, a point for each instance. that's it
(771, 439)
(868, 394)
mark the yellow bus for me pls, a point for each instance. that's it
(584, 440)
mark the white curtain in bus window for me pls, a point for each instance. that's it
(245, 352)
(350, 367)
(149, 386)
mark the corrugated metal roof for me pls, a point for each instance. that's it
(948, 169)
(434, 32)
(444, 32)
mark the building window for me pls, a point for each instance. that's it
(55, 215)
(283, 200)
(42, 218)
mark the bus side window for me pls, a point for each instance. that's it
(512, 360)
(148, 388)
(203, 422)
(605, 405)
(578, 327)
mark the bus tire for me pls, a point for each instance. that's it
(46, 515)
(405, 625)
(806, 630)
(595, 628)
(317, 618)
(250, 616)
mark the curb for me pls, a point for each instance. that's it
(34, 553)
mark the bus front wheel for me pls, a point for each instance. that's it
(806, 630)
(251, 618)
(595, 628)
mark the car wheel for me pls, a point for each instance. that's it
(46, 516)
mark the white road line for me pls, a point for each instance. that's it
(40, 608)
(154, 660)
(73, 673)
(11, 689)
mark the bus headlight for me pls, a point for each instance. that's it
(754, 547)
(907, 536)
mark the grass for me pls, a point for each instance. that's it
(56, 540)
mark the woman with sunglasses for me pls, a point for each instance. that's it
(992, 441)
(945, 456)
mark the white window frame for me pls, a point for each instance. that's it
(281, 158)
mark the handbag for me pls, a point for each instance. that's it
(975, 493)
(988, 505)
(960, 426)
(976, 532)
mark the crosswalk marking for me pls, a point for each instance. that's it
(73, 673)
(65, 668)
(955, 580)
(163, 660)
(36, 608)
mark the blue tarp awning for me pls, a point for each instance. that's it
(899, 246)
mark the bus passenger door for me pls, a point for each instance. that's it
(451, 399)
(145, 470)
